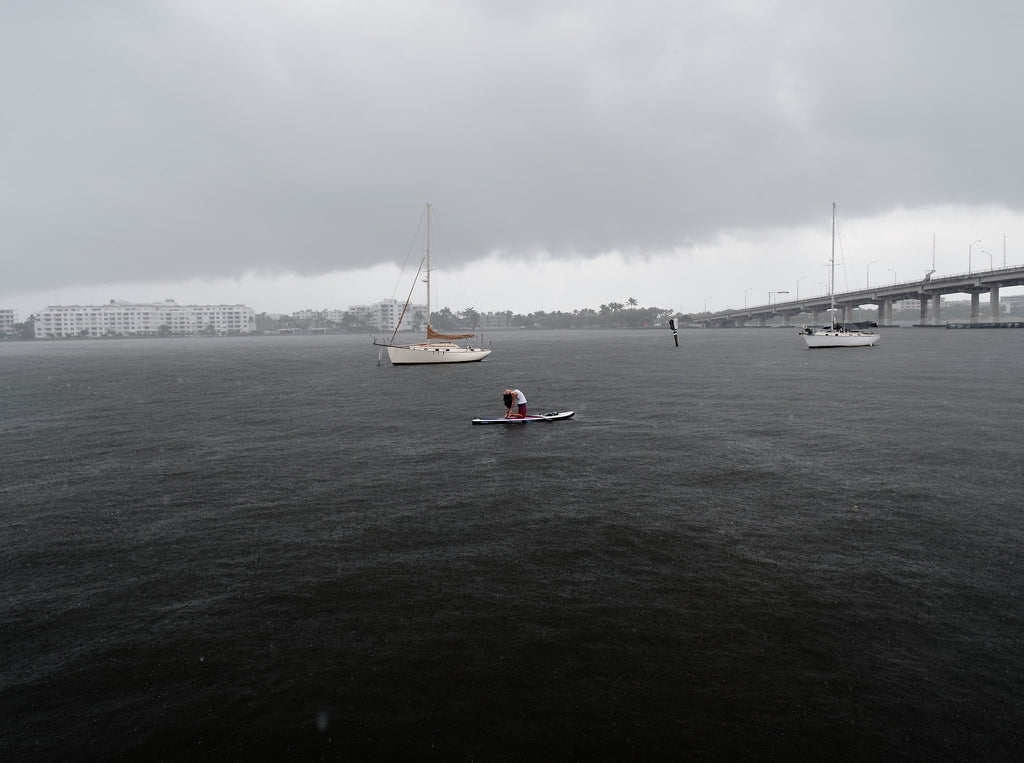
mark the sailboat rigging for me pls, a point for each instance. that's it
(439, 348)
(837, 334)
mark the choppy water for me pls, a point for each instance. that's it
(272, 548)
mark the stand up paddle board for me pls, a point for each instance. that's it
(553, 416)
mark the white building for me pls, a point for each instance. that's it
(122, 318)
(384, 315)
(7, 320)
(334, 315)
(495, 320)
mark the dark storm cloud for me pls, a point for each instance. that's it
(178, 139)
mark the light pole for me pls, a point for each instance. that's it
(776, 293)
(969, 255)
(867, 274)
(798, 285)
(745, 297)
(893, 276)
(706, 303)
(989, 258)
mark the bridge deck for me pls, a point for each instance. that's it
(925, 290)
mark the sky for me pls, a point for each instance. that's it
(684, 154)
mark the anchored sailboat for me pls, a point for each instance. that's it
(439, 348)
(836, 335)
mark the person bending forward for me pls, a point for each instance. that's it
(515, 404)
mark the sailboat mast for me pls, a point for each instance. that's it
(428, 264)
(832, 264)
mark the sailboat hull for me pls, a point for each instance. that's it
(434, 352)
(821, 338)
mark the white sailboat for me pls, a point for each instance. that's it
(836, 335)
(439, 348)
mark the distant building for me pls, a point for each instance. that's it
(495, 320)
(384, 315)
(361, 312)
(318, 317)
(7, 320)
(334, 315)
(1012, 305)
(122, 318)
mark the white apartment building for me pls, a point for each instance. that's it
(123, 318)
(495, 320)
(334, 315)
(384, 315)
(7, 320)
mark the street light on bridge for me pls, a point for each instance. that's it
(989, 258)
(798, 286)
(969, 255)
(775, 293)
(867, 275)
(893, 276)
(745, 297)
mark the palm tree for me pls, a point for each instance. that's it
(632, 302)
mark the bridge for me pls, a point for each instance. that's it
(927, 291)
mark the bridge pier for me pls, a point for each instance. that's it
(885, 312)
(993, 305)
(936, 309)
(923, 317)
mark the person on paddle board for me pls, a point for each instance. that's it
(515, 403)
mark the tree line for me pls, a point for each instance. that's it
(611, 315)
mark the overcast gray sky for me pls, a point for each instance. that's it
(280, 153)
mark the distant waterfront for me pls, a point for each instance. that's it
(610, 316)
